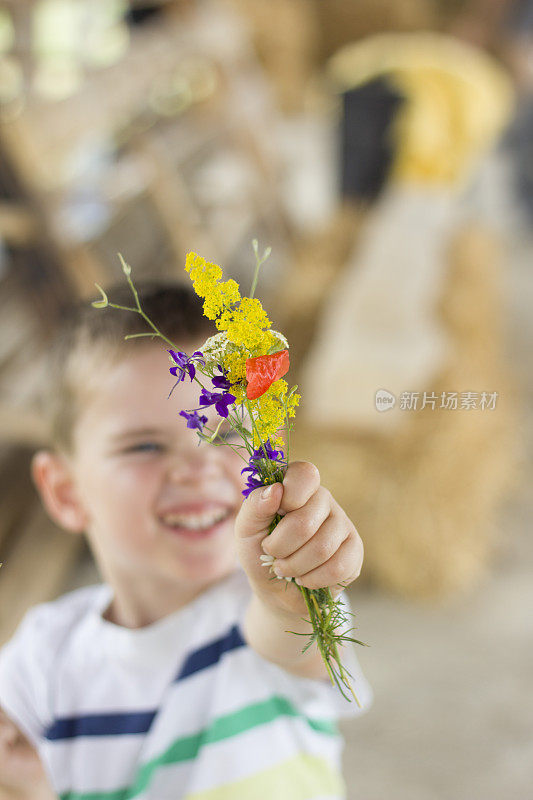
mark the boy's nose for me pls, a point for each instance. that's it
(193, 461)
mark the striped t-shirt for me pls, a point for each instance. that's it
(182, 708)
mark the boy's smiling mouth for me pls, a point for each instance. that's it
(196, 522)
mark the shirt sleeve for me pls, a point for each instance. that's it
(24, 690)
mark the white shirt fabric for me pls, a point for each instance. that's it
(182, 708)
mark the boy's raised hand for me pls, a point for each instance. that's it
(315, 542)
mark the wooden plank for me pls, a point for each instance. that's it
(16, 486)
(154, 50)
(17, 225)
(19, 426)
(18, 325)
(173, 202)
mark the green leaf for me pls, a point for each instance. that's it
(103, 302)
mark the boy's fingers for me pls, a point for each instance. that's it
(298, 527)
(343, 567)
(319, 549)
(257, 511)
(301, 481)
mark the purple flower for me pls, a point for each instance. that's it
(272, 455)
(184, 364)
(254, 479)
(221, 381)
(221, 401)
(194, 420)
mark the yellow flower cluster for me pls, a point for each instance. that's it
(206, 283)
(269, 412)
(246, 325)
(244, 319)
(235, 364)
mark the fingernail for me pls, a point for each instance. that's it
(298, 581)
(278, 571)
(265, 494)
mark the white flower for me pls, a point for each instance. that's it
(267, 561)
(216, 347)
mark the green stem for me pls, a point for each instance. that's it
(258, 262)
(139, 310)
(315, 622)
(287, 428)
(254, 282)
(210, 440)
(139, 335)
(239, 426)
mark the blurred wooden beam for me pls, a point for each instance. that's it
(17, 225)
(15, 481)
(21, 427)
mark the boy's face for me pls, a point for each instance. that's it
(159, 507)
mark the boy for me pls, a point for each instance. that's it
(176, 677)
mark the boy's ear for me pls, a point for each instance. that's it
(55, 484)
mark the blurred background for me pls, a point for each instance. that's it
(384, 150)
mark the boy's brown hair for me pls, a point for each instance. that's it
(91, 340)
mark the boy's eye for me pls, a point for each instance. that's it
(145, 447)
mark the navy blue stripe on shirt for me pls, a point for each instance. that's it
(211, 653)
(100, 725)
(134, 722)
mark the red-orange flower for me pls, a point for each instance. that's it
(262, 371)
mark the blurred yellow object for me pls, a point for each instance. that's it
(458, 100)
(11, 79)
(7, 31)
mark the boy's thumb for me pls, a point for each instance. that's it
(258, 510)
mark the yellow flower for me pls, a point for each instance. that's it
(244, 333)
(242, 319)
(203, 274)
(229, 292)
(205, 277)
(235, 364)
(269, 411)
(271, 340)
(292, 405)
(277, 443)
(245, 325)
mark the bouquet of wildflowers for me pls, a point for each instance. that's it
(244, 365)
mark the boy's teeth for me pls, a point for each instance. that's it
(196, 521)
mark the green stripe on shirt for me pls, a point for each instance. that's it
(188, 747)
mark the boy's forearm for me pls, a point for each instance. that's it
(266, 631)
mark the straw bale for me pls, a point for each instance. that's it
(425, 498)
